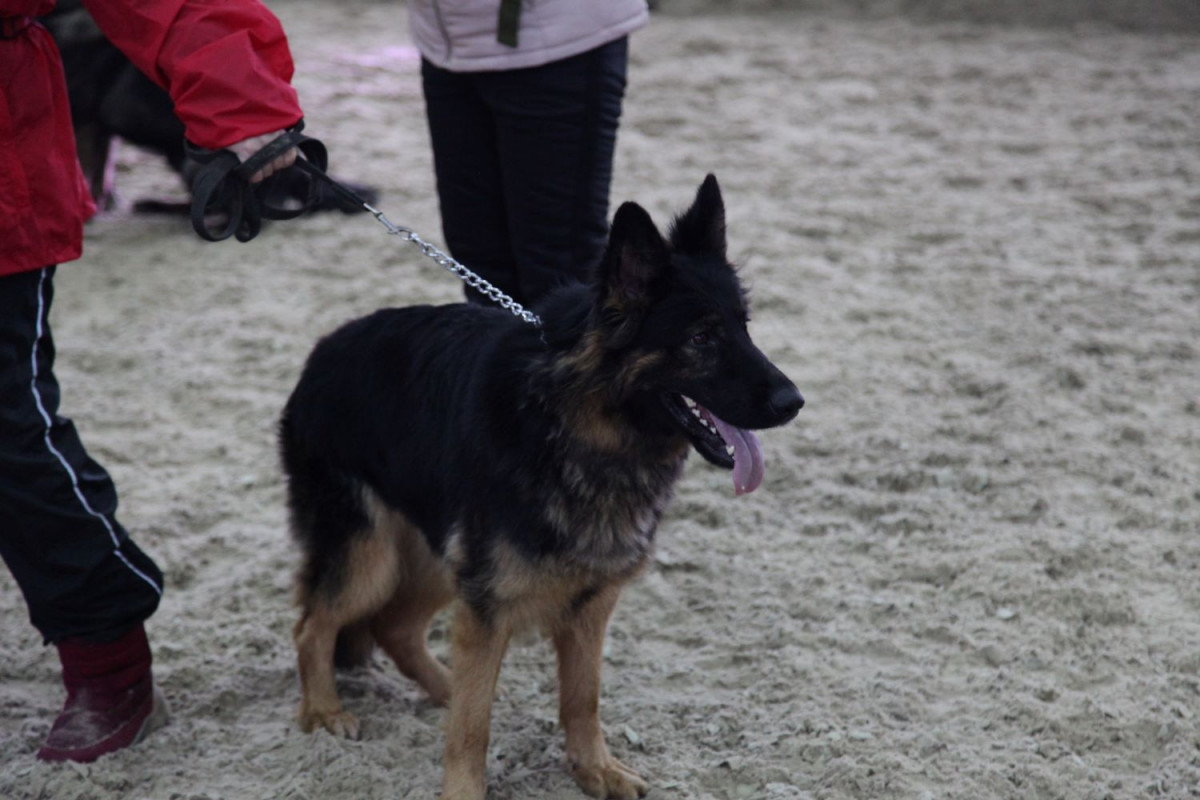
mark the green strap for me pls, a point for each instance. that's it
(510, 20)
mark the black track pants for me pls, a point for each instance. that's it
(81, 575)
(524, 162)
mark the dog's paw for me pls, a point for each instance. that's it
(467, 789)
(472, 795)
(609, 779)
(342, 724)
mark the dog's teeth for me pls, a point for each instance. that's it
(699, 413)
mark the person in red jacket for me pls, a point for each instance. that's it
(88, 587)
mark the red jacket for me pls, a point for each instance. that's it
(226, 65)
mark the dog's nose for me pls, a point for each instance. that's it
(786, 401)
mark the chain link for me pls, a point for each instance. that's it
(472, 279)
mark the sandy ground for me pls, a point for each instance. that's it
(973, 570)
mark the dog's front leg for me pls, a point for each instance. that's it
(476, 653)
(579, 645)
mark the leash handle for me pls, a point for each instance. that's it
(213, 192)
(313, 156)
(220, 184)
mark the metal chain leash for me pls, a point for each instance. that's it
(472, 279)
(313, 162)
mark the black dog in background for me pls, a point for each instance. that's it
(110, 98)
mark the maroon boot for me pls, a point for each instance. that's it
(112, 701)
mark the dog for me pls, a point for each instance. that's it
(456, 454)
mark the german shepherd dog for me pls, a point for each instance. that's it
(458, 454)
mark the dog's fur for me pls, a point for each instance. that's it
(459, 454)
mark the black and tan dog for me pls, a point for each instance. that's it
(459, 454)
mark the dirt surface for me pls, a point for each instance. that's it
(1175, 16)
(973, 569)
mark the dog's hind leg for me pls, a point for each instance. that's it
(401, 627)
(579, 644)
(367, 578)
(477, 651)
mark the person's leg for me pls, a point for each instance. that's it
(470, 189)
(87, 585)
(81, 575)
(556, 133)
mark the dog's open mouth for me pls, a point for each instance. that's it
(719, 442)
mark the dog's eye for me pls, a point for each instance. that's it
(701, 339)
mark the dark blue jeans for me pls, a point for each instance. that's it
(81, 575)
(524, 162)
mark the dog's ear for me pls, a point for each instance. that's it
(636, 257)
(701, 229)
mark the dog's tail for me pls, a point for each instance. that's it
(355, 646)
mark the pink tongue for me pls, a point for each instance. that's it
(747, 456)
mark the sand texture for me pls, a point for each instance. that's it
(973, 568)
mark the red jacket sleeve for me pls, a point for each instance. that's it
(225, 63)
